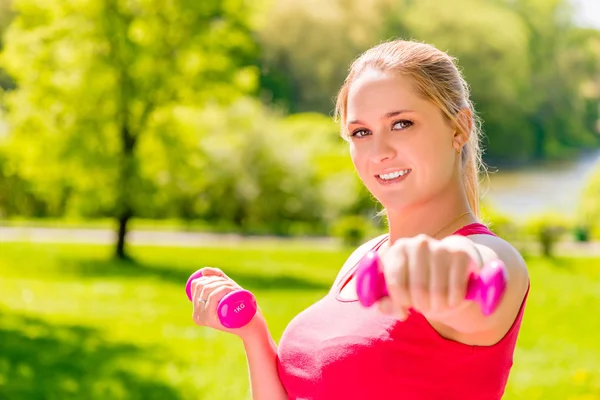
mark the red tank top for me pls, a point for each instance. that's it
(336, 349)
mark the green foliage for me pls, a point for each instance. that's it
(503, 47)
(304, 68)
(6, 16)
(16, 194)
(352, 230)
(250, 167)
(234, 164)
(500, 223)
(588, 218)
(143, 109)
(84, 101)
(548, 228)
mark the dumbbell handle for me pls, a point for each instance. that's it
(485, 288)
(235, 309)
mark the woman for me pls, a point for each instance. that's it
(415, 143)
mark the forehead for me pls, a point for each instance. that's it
(378, 92)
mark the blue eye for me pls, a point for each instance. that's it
(402, 124)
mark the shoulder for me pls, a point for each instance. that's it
(357, 254)
(511, 307)
(504, 250)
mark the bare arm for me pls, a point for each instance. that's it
(261, 354)
(261, 351)
(468, 324)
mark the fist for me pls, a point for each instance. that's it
(427, 275)
(207, 291)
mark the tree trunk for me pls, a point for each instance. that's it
(125, 203)
(122, 233)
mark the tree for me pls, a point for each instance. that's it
(488, 40)
(93, 75)
(524, 60)
(6, 16)
(250, 168)
(305, 67)
(558, 66)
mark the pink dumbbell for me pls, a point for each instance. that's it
(486, 288)
(235, 309)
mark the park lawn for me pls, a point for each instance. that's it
(76, 325)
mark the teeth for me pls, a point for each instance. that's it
(394, 175)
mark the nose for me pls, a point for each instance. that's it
(382, 149)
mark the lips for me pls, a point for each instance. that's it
(393, 176)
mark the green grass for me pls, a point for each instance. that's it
(74, 325)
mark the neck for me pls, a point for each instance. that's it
(437, 213)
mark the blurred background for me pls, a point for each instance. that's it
(141, 140)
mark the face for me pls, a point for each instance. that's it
(401, 144)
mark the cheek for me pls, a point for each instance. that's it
(432, 158)
(357, 158)
(360, 160)
(438, 164)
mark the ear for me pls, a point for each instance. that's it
(464, 129)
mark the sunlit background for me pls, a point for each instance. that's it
(142, 140)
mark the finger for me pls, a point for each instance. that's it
(215, 297)
(385, 306)
(198, 298)
(395, 271)
(198, 283)
(202, 310)
(210, 287)
(459, 275)
(439, 280)
(418, 275)
(210, 271)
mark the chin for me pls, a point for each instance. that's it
(396, 203)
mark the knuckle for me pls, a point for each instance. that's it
(217, 293)
(421, 240)
(203, 293)
(195, 283)
(397, 247)
(421, 237)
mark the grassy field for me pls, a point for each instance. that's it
(74, 325)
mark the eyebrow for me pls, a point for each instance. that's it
(387, 115)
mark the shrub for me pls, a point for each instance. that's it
(548, 228)
(352, 229)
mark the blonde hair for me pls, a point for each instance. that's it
(437, 78)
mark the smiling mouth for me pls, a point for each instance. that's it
(393, 177)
